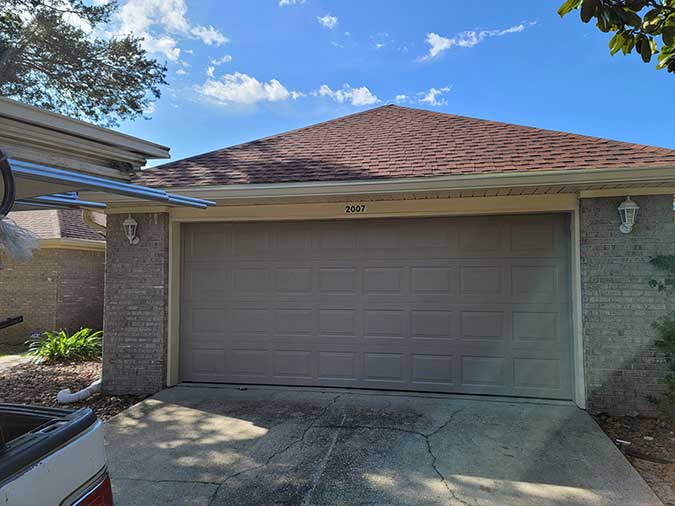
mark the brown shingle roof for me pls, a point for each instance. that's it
(399, 142)
(56, 224)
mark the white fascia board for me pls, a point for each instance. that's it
(644, 176)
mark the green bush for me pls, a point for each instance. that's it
(50, 347)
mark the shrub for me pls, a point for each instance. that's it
(50, 347)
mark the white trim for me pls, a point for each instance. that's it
(656, 175)
(380, 209)
(470, 206)
(72, 243)
(173, 334)
(624, 192)
(577, 314)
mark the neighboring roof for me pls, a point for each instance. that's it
(56, 224)
(399, 142)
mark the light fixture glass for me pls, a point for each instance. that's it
(130, 226)
(628, 210)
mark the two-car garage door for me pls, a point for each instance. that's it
(469, 305)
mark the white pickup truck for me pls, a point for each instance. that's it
(52, 457)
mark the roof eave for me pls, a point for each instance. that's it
(515, 179)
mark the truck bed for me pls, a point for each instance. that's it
(28, 434)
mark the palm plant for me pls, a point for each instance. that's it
(50, 347)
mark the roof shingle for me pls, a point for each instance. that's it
(399, 142)
(56, 224)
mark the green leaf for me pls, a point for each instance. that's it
(646, 52)
(588, 10)
(636, 5)
(630, 18)
(668, 35)
(629, 43)
(568, 7)
(616, 43)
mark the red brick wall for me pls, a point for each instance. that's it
(79, 292)
(58, 288)
(136, 306)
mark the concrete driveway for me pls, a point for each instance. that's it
(263, 446)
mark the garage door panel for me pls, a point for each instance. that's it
(474, 305)
(428, 323)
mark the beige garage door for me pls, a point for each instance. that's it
(473, 305)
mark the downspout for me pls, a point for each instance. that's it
(66, 397)
(88, 218)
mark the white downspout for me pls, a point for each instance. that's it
(66, 397)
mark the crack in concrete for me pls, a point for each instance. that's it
(279, 452)
(147, 480)
(427, 439)
(322, 467)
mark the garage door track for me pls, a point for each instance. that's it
(261, 446)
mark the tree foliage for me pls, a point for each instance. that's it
(55, 54)
(646, 26)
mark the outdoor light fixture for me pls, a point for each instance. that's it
(628, 211)
(129, 226)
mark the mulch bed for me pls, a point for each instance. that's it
(38, 385)
(651, 450)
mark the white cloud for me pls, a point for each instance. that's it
(238, 88)
(434, 96)
(209, 35)
(356, 96)
(438, 44)
(162, 45)
(401, 98)
(328, 21)
(283, 3)
(160, 23)
(210, 71)
(219, 61)
(149, 109)
(336, 44)
(181, 72)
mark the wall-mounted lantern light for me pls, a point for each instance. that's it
(628, 211)
(130, 226)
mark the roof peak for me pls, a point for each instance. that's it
(395, 141)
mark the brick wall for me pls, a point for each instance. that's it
(79, 291)
(57, 289)
(622, 365)
(136, 300)
(28, 289)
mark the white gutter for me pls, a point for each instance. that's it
(644, 176)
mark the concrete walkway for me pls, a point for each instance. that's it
(9, 361)
(261, 446)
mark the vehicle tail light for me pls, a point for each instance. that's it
(100, 495)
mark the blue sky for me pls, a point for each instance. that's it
(243, 69)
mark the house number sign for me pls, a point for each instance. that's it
(355, 208)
